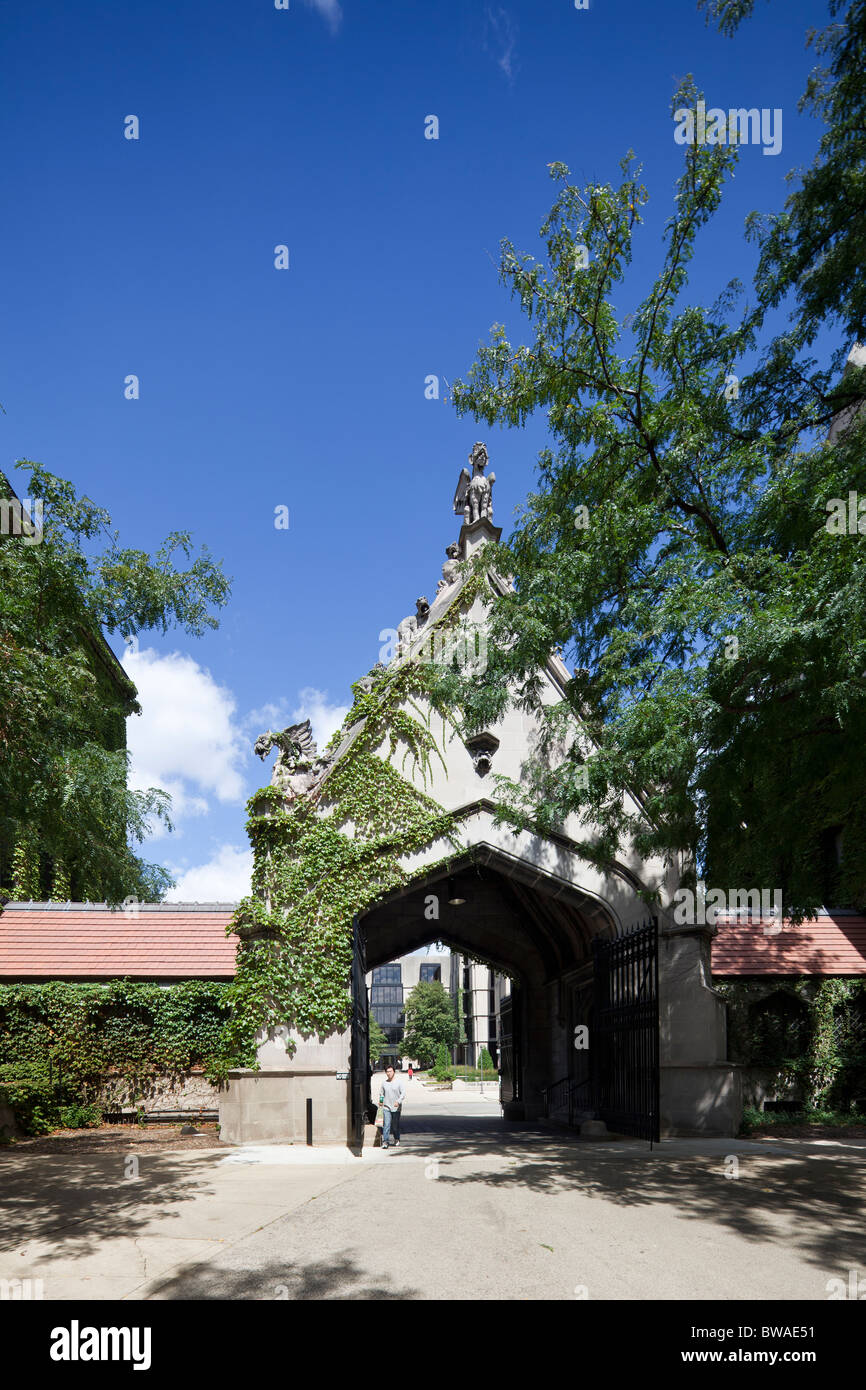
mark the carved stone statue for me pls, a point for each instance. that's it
(406, 633)
(474, 495)
(366, 683)
(293, 770)
(450, 569)
(422, 609)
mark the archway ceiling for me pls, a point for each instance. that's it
(514, 916)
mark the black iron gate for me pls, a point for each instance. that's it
(359, 1059)
(624, 1042)
(510, 1088)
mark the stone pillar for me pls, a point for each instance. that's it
(270, 1105)
(700, 1088)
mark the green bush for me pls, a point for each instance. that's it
(80, 1116)
(34, 1101)
(41, 1104)
(758, 1119)
(442, 1066)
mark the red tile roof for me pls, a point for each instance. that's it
(61, 941)
(833, 944)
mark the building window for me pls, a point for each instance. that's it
(430, 973)
(387, 975)
(386, 994)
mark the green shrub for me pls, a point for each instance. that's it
(80, 1116)
(35, 1102)
(41, 1104)
(442, 1065)
(758, 1119)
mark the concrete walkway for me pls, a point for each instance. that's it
(466, 1208)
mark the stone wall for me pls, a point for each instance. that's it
(190, 1092)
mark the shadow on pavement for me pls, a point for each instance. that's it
(339, 1277)
(787, 1194)
(88, 1198)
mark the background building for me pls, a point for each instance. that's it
(477, 992)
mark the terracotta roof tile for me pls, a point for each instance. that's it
(74, 941)
(834, 944)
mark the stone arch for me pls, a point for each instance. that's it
(529, 924)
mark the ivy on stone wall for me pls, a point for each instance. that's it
(829, 1064)
(126, 1030)
(324, 858)
(25, 868)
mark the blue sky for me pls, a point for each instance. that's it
(304, 388)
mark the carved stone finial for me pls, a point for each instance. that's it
(450, 569)
(474, 495)
(406, 634)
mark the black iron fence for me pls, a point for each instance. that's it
(624, 1038)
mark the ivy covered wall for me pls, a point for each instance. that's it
(810, 1031)
(324, 857)
(130, 1029)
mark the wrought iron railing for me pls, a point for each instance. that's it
(567, 1095)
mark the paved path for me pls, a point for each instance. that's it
(466, 1208)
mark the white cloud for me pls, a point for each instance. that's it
(324, 718)
(329, 10)
(223, 879)
(502, 32)
(186, 739)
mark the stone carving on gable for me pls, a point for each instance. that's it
(481, 748)
(474, 495)
(406, 633)
(451, 568)
(366, 683)
(293, 770)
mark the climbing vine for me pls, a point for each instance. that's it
(829, 1064)
(130, 1029)
(25, 867)
(322, 859)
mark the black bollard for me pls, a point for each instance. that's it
(309, 1122)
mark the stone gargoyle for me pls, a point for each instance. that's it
(293, 770)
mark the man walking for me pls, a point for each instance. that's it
(391, 1099)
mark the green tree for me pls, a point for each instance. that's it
(485, 1061)
(64, 798)
(676, 547)
(442, 1063)
(378, 1040)
(430, 1021)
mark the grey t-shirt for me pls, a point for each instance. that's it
(394, 1093)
